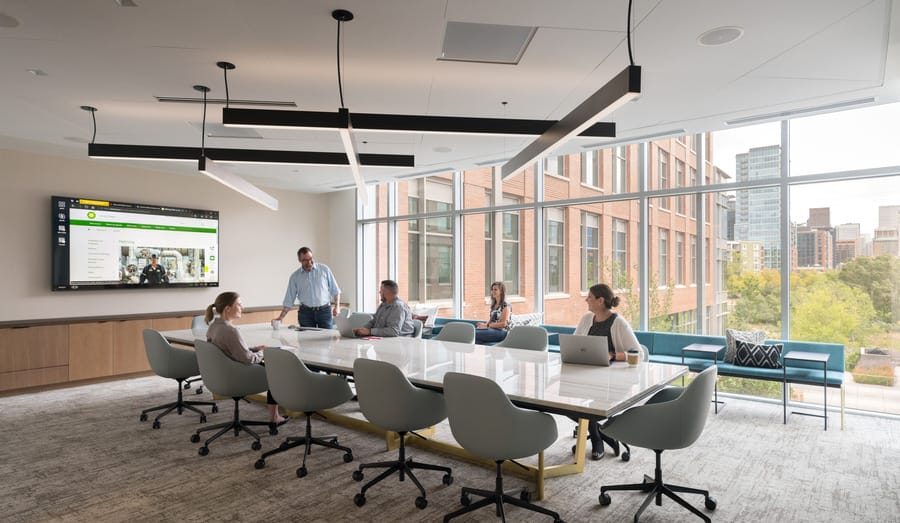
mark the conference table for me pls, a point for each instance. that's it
(535, 380)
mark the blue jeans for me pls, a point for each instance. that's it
(321, 318)
(489, 335)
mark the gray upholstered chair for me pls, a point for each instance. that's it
(673, 419)
(458, 331)
(198, 328)
(177, 364)
(299, 389)
(391, 402)
(226, 377)
(417, 329)
(487, 424)
(530, 337)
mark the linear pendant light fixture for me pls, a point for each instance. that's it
(621, 89)
(222, 175)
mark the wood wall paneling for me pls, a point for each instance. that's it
(91, 350)
(128, 349)
(33, 348)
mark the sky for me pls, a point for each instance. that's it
(848, 140)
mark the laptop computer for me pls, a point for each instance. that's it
(344, 326)
(584, 350)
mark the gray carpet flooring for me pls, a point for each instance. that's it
(80, 454)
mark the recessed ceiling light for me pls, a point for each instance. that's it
(9, 21)
(720, 35)
(126, 3)
(442, 149)
(37, 72)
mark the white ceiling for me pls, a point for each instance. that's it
(793, 55)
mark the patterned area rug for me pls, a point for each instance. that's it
(80, 454)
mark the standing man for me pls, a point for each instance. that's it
(154, 274)
(314, 287)
(392, 318)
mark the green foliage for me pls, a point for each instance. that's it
(757, 301)
(851, 358)
(826, 309)
(751, 387)
(879, 278)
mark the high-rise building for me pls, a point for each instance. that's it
(758, 211)
(819, 217)
(887, 235)
(814, 247)
(848, 243)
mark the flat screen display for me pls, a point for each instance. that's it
(99, 244)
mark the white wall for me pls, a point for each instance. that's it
(257, 246)
(341, 253)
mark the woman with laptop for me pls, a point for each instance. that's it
(602, 321)
(494, 330)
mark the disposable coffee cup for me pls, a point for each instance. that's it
(633, 357)
(276, 324)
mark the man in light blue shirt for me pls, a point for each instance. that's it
(313, 285)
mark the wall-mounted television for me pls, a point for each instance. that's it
(99, 244)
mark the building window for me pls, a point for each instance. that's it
(693, 273)
(679, 258)
(590, 250)
(692, 205)
(590, 168)
(662, 176)
(430, 243)
(679, 182)
(555, 235)
(620, 254)
(510, 267)
(620, 170)
(556, 166)
(663, 267)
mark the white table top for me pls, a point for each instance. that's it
(531, 379)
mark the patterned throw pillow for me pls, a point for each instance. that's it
(535, 318)
(763, 356)
(732, 336)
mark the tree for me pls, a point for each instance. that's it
(757, 301)
(879, 278)
(825, 309)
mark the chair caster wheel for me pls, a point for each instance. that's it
(447, 479)
(464, 500)
(156, 424)
(260, 464)
(358, 476)
(348, 457)
(143, 417)
(525, 496)
(202, 419)
(204, 450)
(199, 390)
(215, 408)
(575, 432)
(195, 438)
(273, 430)
(256, 445)
(626, 456)
(301, 472)
(359, 499)
(187, 386)
(710, 503)
(421, 502)
(604, 499)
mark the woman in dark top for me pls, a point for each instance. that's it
(495, 328)
(602, 321)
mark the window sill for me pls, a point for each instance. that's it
(557, 296)
(592, 187)
(557, 176)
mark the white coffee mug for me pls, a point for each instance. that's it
(276, 324)
(633, 357)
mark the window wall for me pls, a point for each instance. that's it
(734, 237)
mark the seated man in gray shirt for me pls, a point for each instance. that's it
(392, 318)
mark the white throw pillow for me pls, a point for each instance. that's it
(534, 318)
(733, 336)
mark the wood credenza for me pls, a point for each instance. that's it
(51, 352)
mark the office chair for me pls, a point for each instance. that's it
(226, 377)
(530, 337)
(177, 364)
(417, 329)
(391, 402)
(672, 419)
(487, 424)
(198, 327)
(299, 389)
(458, 331)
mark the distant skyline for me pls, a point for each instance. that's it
(821, 144)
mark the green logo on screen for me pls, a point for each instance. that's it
(92, 215)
